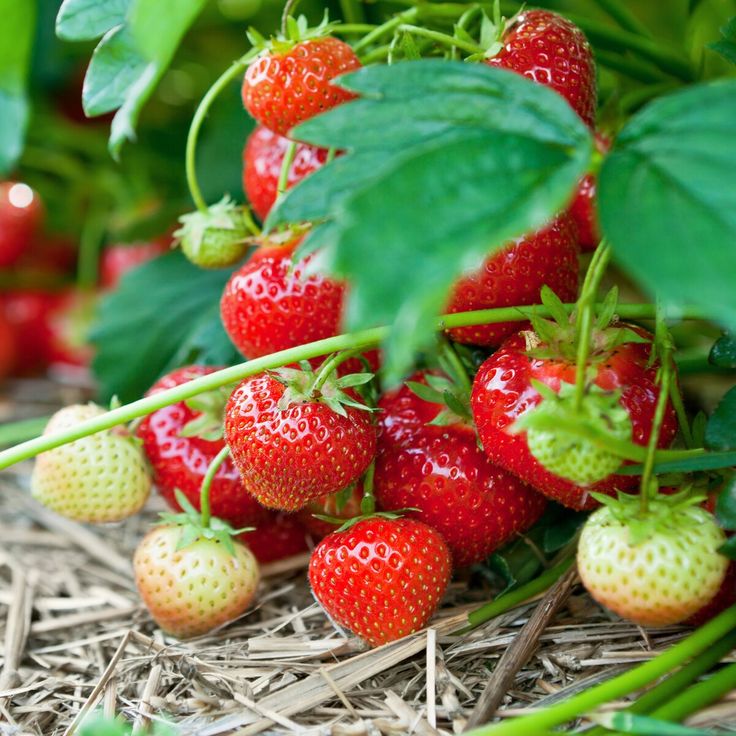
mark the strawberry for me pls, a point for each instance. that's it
(654, 569)
(290, 81)
(439, 470)
(551, 50)
(181, 440)
(215, 238)
(190, 586)
(7, 347)
(118, 259)
(293, 442)
(723, 599)
(515, 275)
(99, 478)
(381, 578)
(20, 216)
(583, 209)
(269, 304)
(503, 391)
(70, 320)
(275, 538)
(344, 505)
(262, 159)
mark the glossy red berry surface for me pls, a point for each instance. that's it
(515, 276)
(280, 90)
(21, 213)
(503, 392)
(263, 157)
(276, 537)
(181, 462)
(553, 51)
(381, 579)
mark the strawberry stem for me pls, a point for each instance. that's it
(362, 340)
(617, 687)
(450, 42)
(329, 366)
(209, 476)
(229, 75)
(458, 369)
(368, 502)
(285, 166)
(386, 28)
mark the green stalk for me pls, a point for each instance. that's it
(682, 420)
(204, 492)
(352, 11)
(328, 367)
(450, 42)
(670, 687)
(386, 28)
(355, 340)
(348, 28)
(90, 243)
(285, 166)
(642, 71)
(368, 502)
(617, 687)
(624, 17)
(230, 74)
(516, 597)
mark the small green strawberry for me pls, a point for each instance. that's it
(216, 238)
(99, 478)
(656, 568)
(569, 455)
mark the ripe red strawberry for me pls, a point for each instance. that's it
(514, 276)
(503, 392)
(192, 588)
(20, 216)
(262, 159)
(118, 259)
(654, 570)
(181, 461)
(382, 578)
(343, 505)
(293, 447)
(291, 83)
(584, 210)
(439, 470)
(99, 478)
(70, 320)
(551, 50)
(275, 538)
(269, 305)
(7, 347)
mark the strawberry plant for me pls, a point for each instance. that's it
(435, 377)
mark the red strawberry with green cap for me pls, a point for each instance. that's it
(181, 440)
(655, 568)
(291, 79)
(296, 435)
(504, 392)
(99, 478)
(381, 578)
(263, 157)
(515, 275)
(439, 470)
(192, 575)
(277, 537)
(553, 51)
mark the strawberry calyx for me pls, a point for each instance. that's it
(492, 32)
(304, 385)
(209, 424)
(559, 336)
(195, 526)
(349, 523)
(665, 514)
(295, 31)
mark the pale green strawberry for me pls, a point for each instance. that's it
(99, 478)
(192, 586)
(656, 569)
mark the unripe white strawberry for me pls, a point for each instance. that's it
(192, 586)
(653, 570)
(99, 478)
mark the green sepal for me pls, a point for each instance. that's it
(555, 306)
(210, 406)
(392, 515)
(607, 309)
(297, 30)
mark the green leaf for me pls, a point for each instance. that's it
(726, 505)
(664, 203)
(723, 352)
(563, 531)
(726, 47)
(720, 433)
(164, 314)
(702, 461)
(84, 20)
(116, 64)
(729, 548)
(645, 725)
(16, 38)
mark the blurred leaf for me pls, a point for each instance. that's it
(723, 352)
(664, 204)
(84, 20)
(16, 37)
(727, 47)
(116, 64)
(625, 722)
(164, 313)
(729, 548)
(720, 433)
(455, 160)
(563, 530)
(726, 505)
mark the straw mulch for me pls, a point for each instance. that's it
(75, 637)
